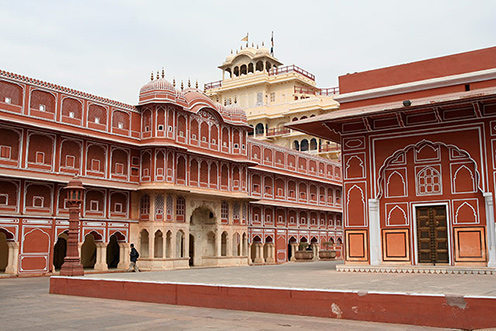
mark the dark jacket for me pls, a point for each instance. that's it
(134, 255)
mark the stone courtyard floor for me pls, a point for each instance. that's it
(320, 275)
(26, 305)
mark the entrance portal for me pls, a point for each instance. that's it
(4, 252)
(432, 234)
(59, 251)
(113, 252)
(88, 252)
(202, 237)
(191, 250)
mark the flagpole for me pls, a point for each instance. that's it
(272, 44)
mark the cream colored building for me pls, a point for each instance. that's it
(272, 95)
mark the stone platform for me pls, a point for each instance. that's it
(465, 301)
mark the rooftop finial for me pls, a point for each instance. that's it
(151, 76)
(163, 72)
(257, 46)
(174, 82)
(252, 45)
(231, 51)
(182, 85)
(263, 44)
(158, 75)
(189, 82)
(197, 84)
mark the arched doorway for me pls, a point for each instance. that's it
(257, 241)
(236, 250)
(88, 251)
(4, 252)
(168, 245)
(144, 243)
(158, 245)
(223, 244)
(180, 244)
(113, 252)
(191, 250)
(202, 235)
(291, 244)
(60, 251)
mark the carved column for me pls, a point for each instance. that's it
(218, 243)
(315, 250)
(13, 257)
(229, 241)
(101, 256)
(123, 256)
(259, 253)
(72, 263)
(374, 232)
(270, 253)
(491, 244)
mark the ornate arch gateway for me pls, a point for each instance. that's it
(431, 207)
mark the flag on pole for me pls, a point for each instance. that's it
(245, 38)
(272, 44)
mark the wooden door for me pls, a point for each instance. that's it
(432, 234)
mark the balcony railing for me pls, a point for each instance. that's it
(329, 148)
(291, 68)
(328, 91)
(277, 131)
(316, 91)
(212, 85)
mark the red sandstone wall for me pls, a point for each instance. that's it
(432, 68)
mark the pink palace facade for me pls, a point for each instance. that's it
(419, 163)
(176, 175)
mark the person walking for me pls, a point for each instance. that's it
(134, 257)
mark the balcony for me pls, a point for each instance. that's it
(291, 68)
(277, 132)
(316, 91)
(212, 85)
(329, 148)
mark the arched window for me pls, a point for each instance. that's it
(145, 205)
(224, 210)
(259, 129)
(304, 145)
(296, 145)
(429, 181)
(180, 208)
(313, 144)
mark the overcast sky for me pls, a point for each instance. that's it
(108, 48)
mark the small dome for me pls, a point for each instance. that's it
(248, 51)
(262, 51)
(229, 58)
(160, 84)
(158, 90)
